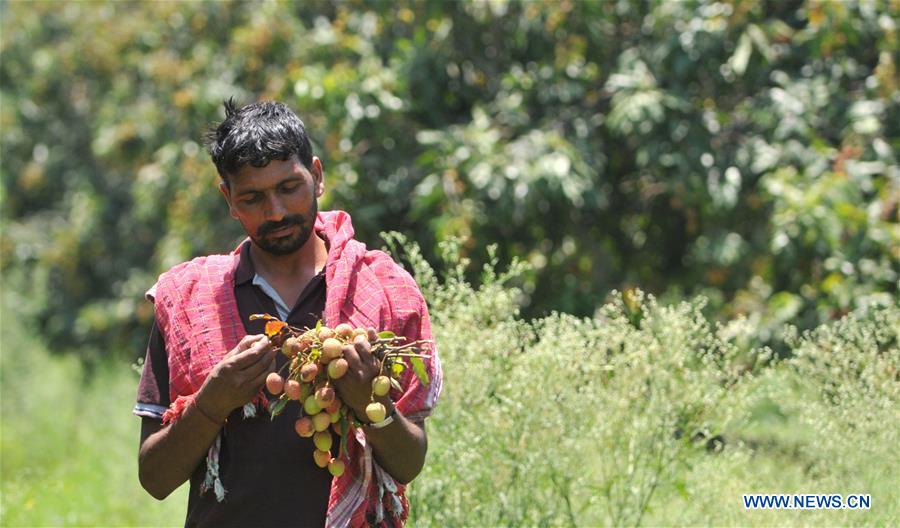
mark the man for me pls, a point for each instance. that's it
(206, 361)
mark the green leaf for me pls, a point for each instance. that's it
(761, 40)
(741, 55)
(276, 407)
(387, 334)
(785, 305)
(418, 366)
(397, 368)
(396, 384)
(345, 428)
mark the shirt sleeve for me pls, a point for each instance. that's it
(153, 389)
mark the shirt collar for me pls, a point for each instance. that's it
(245, 270)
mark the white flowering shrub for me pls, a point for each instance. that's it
(646, 414)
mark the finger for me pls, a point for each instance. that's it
(242, 345)
(362, 365)
(235, 358)
(362, 345)
(352, 356)
(249, 339)
(364, 350)
(262, 365)
(253, 354)
(256, 381)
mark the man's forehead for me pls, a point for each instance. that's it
(276, 171)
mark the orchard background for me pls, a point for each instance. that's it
(730, 167)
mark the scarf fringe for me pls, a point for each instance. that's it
(212, 479)
(387, 493)
(176, 409)
(260, 401)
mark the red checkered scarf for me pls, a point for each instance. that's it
(198, 316)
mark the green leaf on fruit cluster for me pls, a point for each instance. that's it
(276, 407)
(345, 428)
(418, 366)
(397, 368)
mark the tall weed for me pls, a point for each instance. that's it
(645, 414)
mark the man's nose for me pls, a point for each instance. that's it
(275, 210)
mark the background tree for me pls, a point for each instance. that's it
(742, 150)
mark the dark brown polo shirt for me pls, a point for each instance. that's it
(266, 468)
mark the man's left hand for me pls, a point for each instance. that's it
(355, 387)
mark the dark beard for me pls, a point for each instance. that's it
(286, 245)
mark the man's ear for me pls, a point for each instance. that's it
(226, 192)
(318, 176)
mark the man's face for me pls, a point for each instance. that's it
(276, 204)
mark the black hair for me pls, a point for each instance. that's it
(256, 134)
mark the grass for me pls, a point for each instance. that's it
(68, 443)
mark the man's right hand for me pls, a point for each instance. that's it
(237, 378)
(169, 454)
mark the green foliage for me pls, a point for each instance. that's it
(737, 149)
(648, 414)
(662, 419)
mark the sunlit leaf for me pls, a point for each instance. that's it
(418, 366)
(274, 327)
(397, 368)
(741, 55)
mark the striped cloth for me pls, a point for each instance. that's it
(198, 316)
